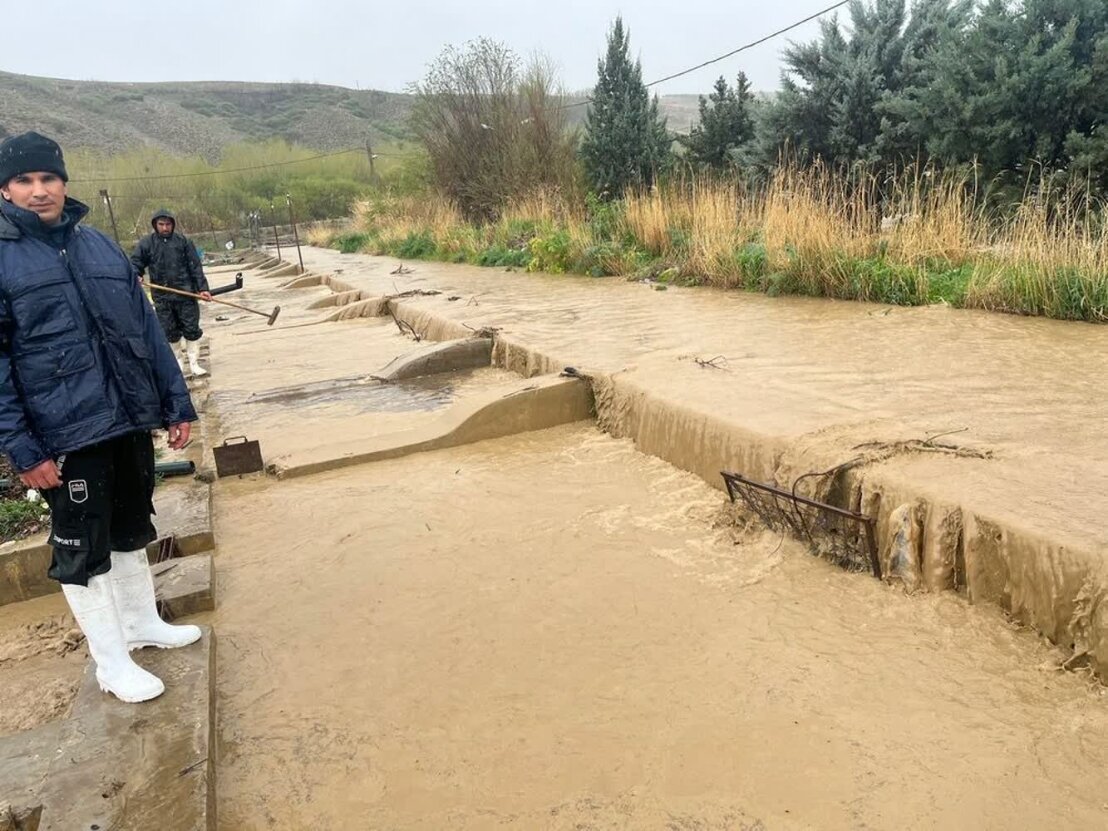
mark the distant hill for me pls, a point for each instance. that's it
(200, 117)
(204, 116)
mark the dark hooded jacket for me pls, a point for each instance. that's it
(82, 356)
(172, 261)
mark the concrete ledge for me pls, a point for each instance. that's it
(446, 356)
(135, 767)
(1057, 586)
(303, 281)
(341, 298)
(281, 271)
(534, 405)
(24, 760)
(185, 585)
(183, 509)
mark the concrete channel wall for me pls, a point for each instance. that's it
(927, 540)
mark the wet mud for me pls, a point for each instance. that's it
(42, 659)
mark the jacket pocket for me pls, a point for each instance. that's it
(62, 388)
(136, 375)
(138, 348)
(108, 271)
(40, 306)
(47, 366)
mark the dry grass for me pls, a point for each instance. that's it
(920, 237)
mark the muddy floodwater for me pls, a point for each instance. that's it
(558, 630)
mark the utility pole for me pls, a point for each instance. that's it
(111, 213)
(276, 239)
(372, 167)
(295, 235)
(211, 227)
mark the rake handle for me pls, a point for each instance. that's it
(198, 297)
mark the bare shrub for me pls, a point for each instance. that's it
(492, 127)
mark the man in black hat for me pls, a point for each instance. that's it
(172, 261)
(85, 376)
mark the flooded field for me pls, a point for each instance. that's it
(555, 630)
(572, 628)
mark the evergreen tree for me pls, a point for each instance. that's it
(906, 123)
(842, 96)
(626, 143)
(726, 126)
(1088, 149)
(1018, 87)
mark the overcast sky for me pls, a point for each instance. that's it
(384, 45)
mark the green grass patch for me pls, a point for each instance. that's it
(551, 253)
(947, 283)
(18, 518)
(500, 255)
(350, 243)
(417, 246)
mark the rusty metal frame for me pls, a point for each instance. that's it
(791, 503)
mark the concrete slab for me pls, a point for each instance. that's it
(24, 759)
(183, 509)
(303, 281)
(185, 585)
(535, 404)
(135, 767)
(435, 358)
(281, 271)
(342, 298)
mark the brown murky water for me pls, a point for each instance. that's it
(798, 385)
(558, 631)
(833, 374)
(292, 385)
(547, 632)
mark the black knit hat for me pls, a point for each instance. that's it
(30, 153)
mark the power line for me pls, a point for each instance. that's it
(732, 53)
(752, 44)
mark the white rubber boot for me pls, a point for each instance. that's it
(180, 356)
(133, 587)
(94, 610)
(192, 349)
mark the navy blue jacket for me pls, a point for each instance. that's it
(82, 356)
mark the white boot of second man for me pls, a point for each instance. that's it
(192, 351)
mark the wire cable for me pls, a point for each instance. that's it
(732, 53)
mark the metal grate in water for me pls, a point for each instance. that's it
(841, 536)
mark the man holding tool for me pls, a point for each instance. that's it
(172, 261)
(85, 376)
